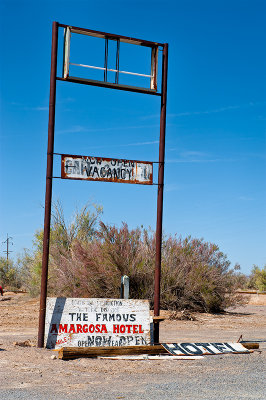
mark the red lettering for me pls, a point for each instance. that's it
(72, 329)
(60, 341)
(79, 328)
(128, 328)
(122, 329)
(104, 329)
(62, 328)
(140, 329)
(135, 328)
(91, 328)
(115, 328)
(85, 328)
(54, 329)
(97, 328)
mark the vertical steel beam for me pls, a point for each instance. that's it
(117, 61)
(158, 255)
(105, 60)
(66, 52)
(48, 193)
(154, 68)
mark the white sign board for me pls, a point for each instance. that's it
(83, 322)
(106, 169)
(199, 349)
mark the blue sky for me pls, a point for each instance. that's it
(215, 137)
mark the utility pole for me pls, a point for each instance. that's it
(7, 251)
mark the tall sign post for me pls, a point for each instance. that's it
(98, 168)
(159, 224)
(49, 180)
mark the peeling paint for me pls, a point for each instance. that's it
(84, 322)
(106, 169)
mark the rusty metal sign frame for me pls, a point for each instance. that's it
(153, 90)
(105, 83)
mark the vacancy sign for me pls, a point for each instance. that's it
(106, 169)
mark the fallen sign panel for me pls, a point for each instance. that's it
(201, 349)
(84, 322)
(67, 353)
(106, 169)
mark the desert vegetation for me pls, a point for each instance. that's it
(88, 258)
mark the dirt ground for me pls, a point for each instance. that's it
(29, 372)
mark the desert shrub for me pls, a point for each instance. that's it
(9, 276)
(94, 268)
(195, 275)
(30, 267)
(132, 253)
(239, 280)
(257, 279)
(81, 271)
(73, 252)
(82, 228)
(88, 258)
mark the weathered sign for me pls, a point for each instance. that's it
(83, 322)
(200, 349)
(106, 169)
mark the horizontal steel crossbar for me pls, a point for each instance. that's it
(111, 36)
(113, 70)
(108, 85)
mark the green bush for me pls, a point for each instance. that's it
(82, 228)
(258, 278)
(9, 277)
(30, 267)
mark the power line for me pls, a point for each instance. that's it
(7, 251)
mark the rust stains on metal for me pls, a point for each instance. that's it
(159, 224)
(48, 192)
(67, 36)
(67, 76)
(109, 85)
(106, 169)
(112, 36)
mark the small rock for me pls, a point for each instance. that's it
(53, 357)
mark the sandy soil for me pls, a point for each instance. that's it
(23, 369)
